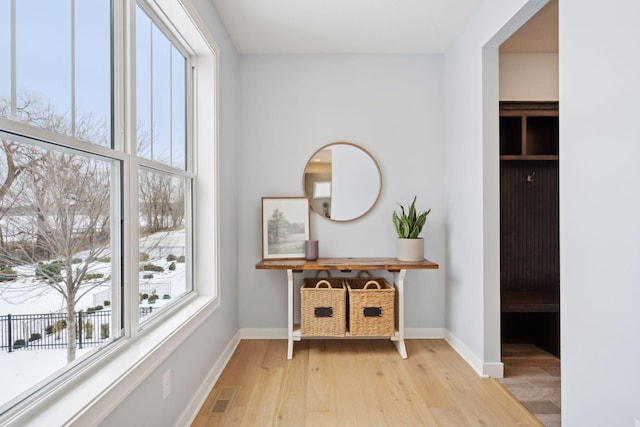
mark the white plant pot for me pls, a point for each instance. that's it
(411, 249)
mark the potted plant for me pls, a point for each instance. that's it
(408, 225)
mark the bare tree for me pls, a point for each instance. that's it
(162, 201)
(11, 171)
(56, 205)
(162, 197)
(16, 159)
(60, 211)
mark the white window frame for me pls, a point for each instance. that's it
(116, 370)
(155, 13)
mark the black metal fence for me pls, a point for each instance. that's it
(40, 331)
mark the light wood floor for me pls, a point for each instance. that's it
(356, 383)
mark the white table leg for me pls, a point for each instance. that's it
(289, 314)
(398, 279)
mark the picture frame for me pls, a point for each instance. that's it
(285, 227)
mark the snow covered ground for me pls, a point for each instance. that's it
(24, 368)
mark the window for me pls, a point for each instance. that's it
(164, 222)
(161, 101)
(68, 212)
(58, 274)
(321, 189)
(164, 178)
(5, 53)
(59, 77)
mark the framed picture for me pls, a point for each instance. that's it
(285, 227)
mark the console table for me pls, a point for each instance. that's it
(398, 268)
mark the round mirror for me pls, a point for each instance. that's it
(342, 181)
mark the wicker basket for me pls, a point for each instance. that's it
(371, 307)
(323, 307)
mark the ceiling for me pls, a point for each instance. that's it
(343, 26)
(367, 26)
(538, 35)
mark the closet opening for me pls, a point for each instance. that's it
(529, 183)
(529, 214)
(529, 224)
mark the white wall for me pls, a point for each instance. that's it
(192, 361)
(599, 206)
(528, 76)
(391, 106)
(599, 148)
(472, 183)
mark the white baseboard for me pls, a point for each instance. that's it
(281, 333)
(263, 333)
(424, 333)
(495, 370)
(464, 352)
(199, 398)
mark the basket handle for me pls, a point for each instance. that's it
(371, 282)
(361, 273)
(326, 271)
(323, 282)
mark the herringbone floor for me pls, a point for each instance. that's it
(533, 377)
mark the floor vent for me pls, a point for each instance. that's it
(224, 400)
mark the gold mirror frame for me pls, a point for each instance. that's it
(356, 175)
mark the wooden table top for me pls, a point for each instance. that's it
(345, 264)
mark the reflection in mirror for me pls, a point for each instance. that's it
(342, 181)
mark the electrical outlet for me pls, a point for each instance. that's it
(166, 384)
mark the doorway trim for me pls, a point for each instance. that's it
(492, 365)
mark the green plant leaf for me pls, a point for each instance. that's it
(405, 228)
(409, 226)
(396, 222)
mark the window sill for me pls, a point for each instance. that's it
(93, 392)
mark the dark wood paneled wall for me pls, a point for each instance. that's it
(529, 228)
